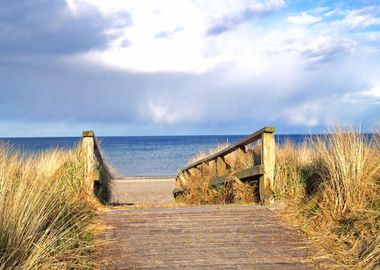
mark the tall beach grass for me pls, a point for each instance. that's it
(331, 186)
(44, 209)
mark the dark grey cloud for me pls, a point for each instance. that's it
(49, 27)
(118, 102)
(122, 99)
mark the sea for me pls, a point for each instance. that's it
(143, 156)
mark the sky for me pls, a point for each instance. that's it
(184, 67)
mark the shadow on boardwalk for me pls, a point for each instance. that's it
(209, 237)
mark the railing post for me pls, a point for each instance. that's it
(266, 181)
(88, 145)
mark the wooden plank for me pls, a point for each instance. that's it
(268, 161)
(88, 133)
(207, 237)
(251, 138)
(88, 152)
(256, 170)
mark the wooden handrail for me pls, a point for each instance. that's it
(250, 139)
(265, 171)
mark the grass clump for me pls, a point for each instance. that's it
(332, 187)
(44, 209)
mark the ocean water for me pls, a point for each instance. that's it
(143, 155)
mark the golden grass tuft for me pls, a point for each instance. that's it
(333, 191)
(43, 210)
(291, 168)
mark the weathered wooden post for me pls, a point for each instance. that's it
(268, 159)
(88, 145)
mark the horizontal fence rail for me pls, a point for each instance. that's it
(250, 139)
(265, 170)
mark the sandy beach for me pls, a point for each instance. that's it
(134, 190)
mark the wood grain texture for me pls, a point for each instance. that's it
(268, 159)
(223, 237)
(88, 151)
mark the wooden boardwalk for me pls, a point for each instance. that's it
(210, 237)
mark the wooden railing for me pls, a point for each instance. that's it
(96, 171)
(265, 170)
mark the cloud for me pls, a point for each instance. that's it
(176, 30)
(306, 114)
(228, 21)
(154, 67)
(363, 17)
(323, 49)
(369, 96)
(50, 28)
(303, 19)
(125, 43)
(162, 112)
(168, 34)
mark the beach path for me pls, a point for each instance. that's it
(142, 191)
(203, 237)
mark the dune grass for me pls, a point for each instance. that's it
(331, 186)
(44, 210)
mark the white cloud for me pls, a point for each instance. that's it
(171, 35)
(306, 114)
(303, 19)
(373, 36)
(374, 92)
(164, 112)
(368, 96)
(364, 17)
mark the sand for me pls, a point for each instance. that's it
(135, 190)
